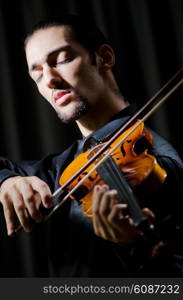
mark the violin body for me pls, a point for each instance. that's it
(131, 157)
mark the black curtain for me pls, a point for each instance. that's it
(147, 38)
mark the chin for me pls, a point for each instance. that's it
(73, 111)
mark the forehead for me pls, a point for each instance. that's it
(44, 41)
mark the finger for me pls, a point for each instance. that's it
(124, 228)
(106, 229)
(99, 226)
(32, 202)
(20, 209)
(118, 215)
(9, 215)
(150, 215)
(98, 192)
(44, 191)
(107, 201)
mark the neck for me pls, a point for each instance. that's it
(100, 114)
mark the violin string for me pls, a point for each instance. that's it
(109, 152)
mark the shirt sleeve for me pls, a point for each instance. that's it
(48, 169)
(45, 169)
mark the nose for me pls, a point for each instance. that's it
(51, 77)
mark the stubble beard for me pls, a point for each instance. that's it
(81, 107)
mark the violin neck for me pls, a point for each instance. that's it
(114, 178)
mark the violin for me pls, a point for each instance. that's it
(129, 163)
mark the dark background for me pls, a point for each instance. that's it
(147, 38)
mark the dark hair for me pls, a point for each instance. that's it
(83, 31)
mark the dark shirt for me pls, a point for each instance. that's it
(75, 251)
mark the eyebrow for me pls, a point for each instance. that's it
(52, 52)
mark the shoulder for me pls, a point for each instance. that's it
(164, 151)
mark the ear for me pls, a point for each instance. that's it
(106, 57)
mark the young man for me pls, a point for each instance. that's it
(71, 64)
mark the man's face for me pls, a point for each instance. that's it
(63, 72)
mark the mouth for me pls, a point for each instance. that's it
(62, 98)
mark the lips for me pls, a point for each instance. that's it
(62, 98)
(60, 95)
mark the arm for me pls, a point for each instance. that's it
(26, 185)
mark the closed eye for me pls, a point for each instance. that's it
(37, 74)
(64, 61)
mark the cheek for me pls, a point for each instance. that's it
(72, 73)
(76, 72)
(89, 79)
(85, 78)
(45, 92)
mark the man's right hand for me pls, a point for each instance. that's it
(22, 196)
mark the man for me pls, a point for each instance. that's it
(71, 64)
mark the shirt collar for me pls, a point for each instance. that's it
(103, 133)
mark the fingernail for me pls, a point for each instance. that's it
(105, 187)
(11, 233)
(114, 192)
(97, 188)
